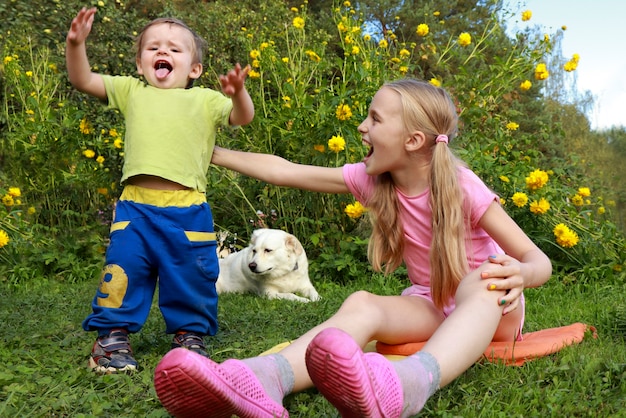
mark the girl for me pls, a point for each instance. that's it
(467, 260)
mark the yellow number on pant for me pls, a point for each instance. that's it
(113, 284)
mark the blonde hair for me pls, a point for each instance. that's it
(428, 109)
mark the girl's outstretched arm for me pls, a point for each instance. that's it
(523, 264)
(276, 170)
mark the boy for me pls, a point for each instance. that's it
(163, 226)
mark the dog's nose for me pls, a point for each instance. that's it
(252, 266)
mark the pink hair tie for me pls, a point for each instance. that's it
(442, 138)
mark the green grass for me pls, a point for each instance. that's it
(43, 354)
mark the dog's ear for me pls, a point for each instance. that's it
(293, 244)
(255, 235)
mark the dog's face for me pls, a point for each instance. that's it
(273, 252)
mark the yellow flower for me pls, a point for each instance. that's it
(541, 72)
(286, 101)
(502, 201)
(346, 4)
(354, 210)
(565, 237)
(285, 60)
(298, 22)
(7, 60)
(575, 58)
(435, 82)
(319, 148)
(337, 143)
(103, 191)
(537, 179)
(504, 179)
(118, 143)
(355, 50)
(15, 191)
(577, 200)
(28, 73)
(601, 210)
(4, 238)
(85, 127)
(89, 153)
(465, 39)
(422, 29)
(563, 27)
(570, 66)
(255, 54)
(540, 207)
(584, 191)
(254, 74)
(100, 159)
(383, 43)
(526, 15)
(313, 56)
(437, 13)
(342, 27)
(525, 85)
(366, 37)
(31, 210)
(343, 112)
(404, 53)
(7, 200)
(512, 126)
(294, 9)
(520, 199)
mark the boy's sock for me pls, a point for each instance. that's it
(274, 373)
(420, 377)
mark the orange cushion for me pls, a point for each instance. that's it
(534, 344)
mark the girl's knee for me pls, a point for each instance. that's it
(473, 286)
(361, 302)
(359, 298)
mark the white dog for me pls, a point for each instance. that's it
(274, 265)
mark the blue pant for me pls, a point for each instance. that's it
(153, 240)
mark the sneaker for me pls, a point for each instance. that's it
(112, 353)
(191, 341)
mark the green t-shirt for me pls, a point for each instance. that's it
(170, 133)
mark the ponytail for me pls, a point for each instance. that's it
(448, 258)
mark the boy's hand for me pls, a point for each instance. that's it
(81, 26)
(233, 82)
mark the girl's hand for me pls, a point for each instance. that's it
(233, 82)
(505, 273)
(81, 26)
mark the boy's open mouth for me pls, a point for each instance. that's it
(162, 69)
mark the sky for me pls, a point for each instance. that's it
(595, 31)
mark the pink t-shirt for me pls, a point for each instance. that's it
(416, 220)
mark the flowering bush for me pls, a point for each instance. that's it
(311, 83)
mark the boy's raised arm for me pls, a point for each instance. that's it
(78, 68)
(233, 85)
